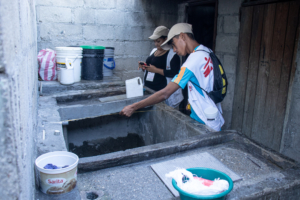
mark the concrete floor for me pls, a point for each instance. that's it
(139, 182)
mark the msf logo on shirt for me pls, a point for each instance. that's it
(208, 67)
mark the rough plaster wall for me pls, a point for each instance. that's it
(227, 40)
(18, 98)
(291, 137)
(123, 24)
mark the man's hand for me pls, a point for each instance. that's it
(155, 98)
(127, 111)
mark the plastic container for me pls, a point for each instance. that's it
(211, 113)
(57, 181)
(134, 87)
(67, 73)
(73, 53)
(92, 63)
(108, 61)
(206, 173)
(74, 61)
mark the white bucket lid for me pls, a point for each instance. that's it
(68, 49)
(58, 158)
(211, 112)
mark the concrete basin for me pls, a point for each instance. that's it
(155, 134)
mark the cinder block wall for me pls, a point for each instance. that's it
(18, 98)
(228, 27)
(123, 24)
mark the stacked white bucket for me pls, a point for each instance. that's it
(108, 61)
(68, 64)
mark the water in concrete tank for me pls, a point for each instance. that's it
(107, 145)
(111, 133)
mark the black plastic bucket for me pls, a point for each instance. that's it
(92, 64)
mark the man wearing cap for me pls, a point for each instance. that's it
(196, 71)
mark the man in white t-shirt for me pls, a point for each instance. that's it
(196, 71)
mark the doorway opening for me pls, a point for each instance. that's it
(202, 15)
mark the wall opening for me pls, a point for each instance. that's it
(202, 16)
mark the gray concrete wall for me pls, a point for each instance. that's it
(123, 24)
(18, 98)
(291, 137)
(227, 41)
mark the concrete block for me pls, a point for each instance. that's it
(132, 74)
(220, 24)
(84, 16)
(102, 4)
(137, 19)
(228, 100)
(59, 3)
(119, 48)
(136, 33)
(231, 24)
(230, 63)
(137, 48)
(127, 63)
(227, 44)
(110, 17)
(106, 43)
(122, 33)
(102, 32)
(147, 32)
(229, 6)
(227, 115)
(220, 56)
(48, 31)
(132, 5)
(54, 14)
(167, 20)
(164, 7)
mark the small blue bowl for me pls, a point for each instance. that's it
(206, 173)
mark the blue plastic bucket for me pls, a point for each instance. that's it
(206, 173)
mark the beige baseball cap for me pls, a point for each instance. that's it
(158, 32)
(176, 30)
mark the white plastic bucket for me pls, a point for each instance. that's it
(67, 73)
(108, 62)
(134, 87)
(73, 53)
(57, 181)
(74, 61)
(68, 50)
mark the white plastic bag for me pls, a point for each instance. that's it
(195, 185)
(47, 65)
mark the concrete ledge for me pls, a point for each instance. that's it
(151, 151)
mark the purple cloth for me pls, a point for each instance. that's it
(51, 166)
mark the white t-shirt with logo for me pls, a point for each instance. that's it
(198, 68)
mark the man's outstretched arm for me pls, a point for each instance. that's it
(155, 98)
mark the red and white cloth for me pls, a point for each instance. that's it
(47, 65)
